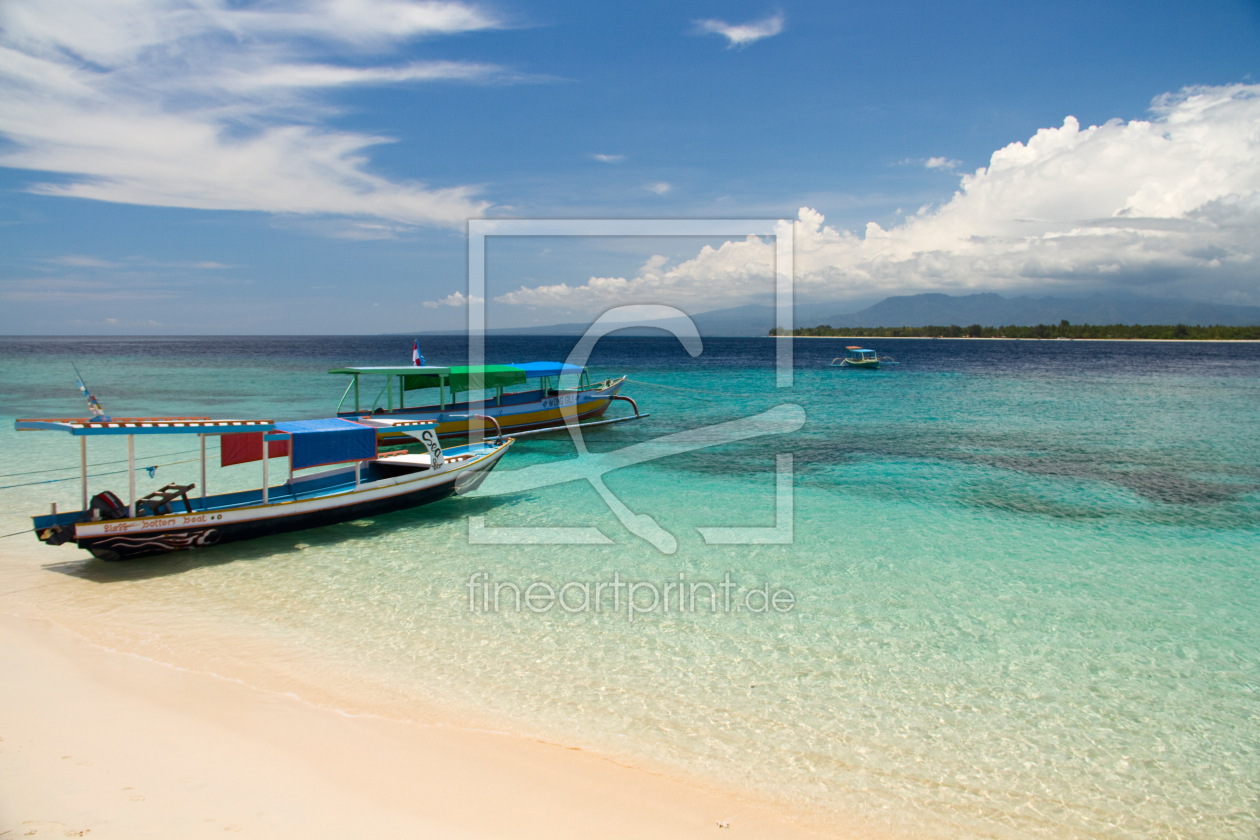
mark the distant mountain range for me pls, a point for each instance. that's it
(987, 310)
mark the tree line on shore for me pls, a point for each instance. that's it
(1061, 330)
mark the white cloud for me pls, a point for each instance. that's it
(1167, 205)
(454, 299)
(609, 158)
(743, 34)
(79, 290)
(660, 187)
(328, 75)
(208, 104)
(741, 270)
(78, 261)
(130, 263)
(941, 163)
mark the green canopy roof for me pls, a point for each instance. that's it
(461, 377)
(466, 378)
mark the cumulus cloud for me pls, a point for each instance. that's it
(1169, 205)
(742, 34)
(737, 270)
(213, 104)
(454, 299)
(660, 187)
(941, 163)
(609, 158)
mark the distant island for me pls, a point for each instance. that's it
(918, 312)
(1064, 329)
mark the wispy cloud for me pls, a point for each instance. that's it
(297, 76)
(76, 261)
(131, 263)
(743, 34)
(79, 290)
(608, 158)
(942, 163)
(660, 187)
(213, 105)
(454, 299)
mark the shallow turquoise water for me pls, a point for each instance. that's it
(1024, 577)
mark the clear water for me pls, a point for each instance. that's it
(1025, 573)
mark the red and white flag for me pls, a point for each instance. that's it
(416, 358)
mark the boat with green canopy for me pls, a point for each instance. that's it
(531, 396)
(862, 358)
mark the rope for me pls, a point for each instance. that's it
(18, 533)
(97, 475)
(103, 464)
(694, 392)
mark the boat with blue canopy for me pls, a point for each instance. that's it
(356, 481)
(522, 398)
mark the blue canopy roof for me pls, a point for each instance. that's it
(536, 370)
(332, 441)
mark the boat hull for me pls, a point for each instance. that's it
(540, 413)
(139, 537)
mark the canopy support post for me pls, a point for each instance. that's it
(203, 471)
(356, 393)
(358, 465)
(83, 469)
(265, 459)
(442, 392)
(131, 476)
(346, 394)
(402, 392)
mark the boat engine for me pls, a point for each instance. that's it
(103, 506)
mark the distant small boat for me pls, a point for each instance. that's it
(862, 358)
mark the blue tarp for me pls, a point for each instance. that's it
(535, 370)
(333, 441)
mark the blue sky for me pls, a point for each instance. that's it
(201, 166)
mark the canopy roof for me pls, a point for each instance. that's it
(466, 377)
(146, 426)
(310, 443)
(535, 370)
(395, 370)
(332, 441)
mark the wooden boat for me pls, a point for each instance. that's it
(862, 359)
(358, 482)
(542, 404)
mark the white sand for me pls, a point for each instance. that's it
(117, 746)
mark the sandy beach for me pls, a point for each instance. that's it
(106, 744)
